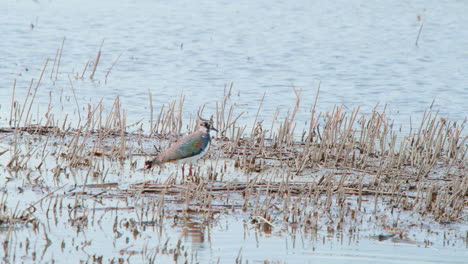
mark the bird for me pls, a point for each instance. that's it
(189, 149)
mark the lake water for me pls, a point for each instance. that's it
(362, 53)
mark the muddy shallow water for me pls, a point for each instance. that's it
(108, 209)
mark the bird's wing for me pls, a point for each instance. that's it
(186, 148)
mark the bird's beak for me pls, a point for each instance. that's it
(212, 128)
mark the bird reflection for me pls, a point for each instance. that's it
(193, 229)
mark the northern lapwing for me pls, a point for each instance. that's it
(188, 149)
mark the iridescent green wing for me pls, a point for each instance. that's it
(188, 148)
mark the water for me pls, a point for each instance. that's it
(225, 241)
(112, 219)
(362, 53)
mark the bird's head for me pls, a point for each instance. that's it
(205, 125)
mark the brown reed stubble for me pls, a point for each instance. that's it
(58, 60)
(96, 62)
(406, 171)
(373, 147)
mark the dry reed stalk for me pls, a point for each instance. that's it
(296, 106)
(49, 117)
(26, 211)
(75, 147)
(123, 145)
(313, 121)
(178, 127)
(76, 100)
(100, 128)
(112, 66)
(419, 34)
(231, 124)
(151, 112)
(221, 109)
(112, 120)
(169, 120)
(275, 116)
(35, 91)
(12, 105)
(53, 65)
(59, 59)
(256, 116)
(84, 69)
(25, 101)
(159, 119)
(345, 138)
(92, 121)
(96, 62)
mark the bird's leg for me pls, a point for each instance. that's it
(183, 170)
(190, 170)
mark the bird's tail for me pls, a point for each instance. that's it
(151, 163)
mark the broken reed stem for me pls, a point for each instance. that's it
(231, 123)
(151, 112)
(112, 66)
(35, 91)
(47, 195)
(84, 69)
(296, 106)
(419, 34)
(179, 114)
(12, 105)
(159, 119)
(275, 116)
(59, 58)
(76, 100)
(98, 56)
(312, 120)
(55, 62)
(268, 222)
(256, 116)
(123, 145)
(221, 110)
(25, 101)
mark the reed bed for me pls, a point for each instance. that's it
(345, 168)
(429, 165)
